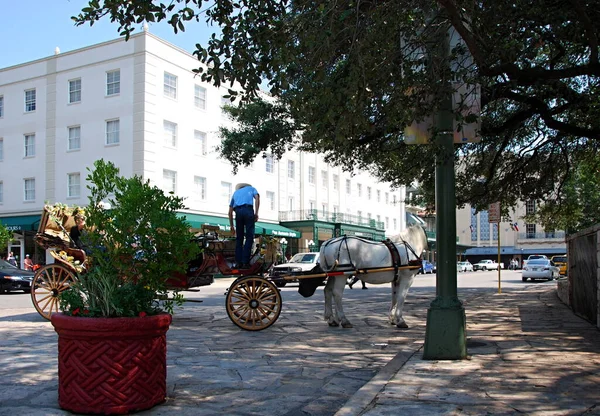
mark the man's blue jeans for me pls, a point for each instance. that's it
(244, 227)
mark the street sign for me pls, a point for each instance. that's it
(494, 212)
(466, 100)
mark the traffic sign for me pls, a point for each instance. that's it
(494, 212)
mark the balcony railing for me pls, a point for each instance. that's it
(556, 235)
(326, 216)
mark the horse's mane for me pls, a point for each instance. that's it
(414, 234)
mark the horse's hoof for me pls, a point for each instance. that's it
(347, 325)
(402, 325)
(333, 324)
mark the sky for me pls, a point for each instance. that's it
(32, 29)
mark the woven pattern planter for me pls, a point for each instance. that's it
(111, 365)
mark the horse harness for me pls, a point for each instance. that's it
(396, 257)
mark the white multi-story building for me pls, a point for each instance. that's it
(139, 105)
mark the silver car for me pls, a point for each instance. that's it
(540, 269)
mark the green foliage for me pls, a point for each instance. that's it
(136, 245)
(5, 236)
(351, 76)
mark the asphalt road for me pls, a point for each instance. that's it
(214, 295)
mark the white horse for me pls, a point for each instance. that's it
(348, 253)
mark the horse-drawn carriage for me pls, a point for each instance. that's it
(253, 301)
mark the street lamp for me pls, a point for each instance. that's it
(283, 243)
(311, 245)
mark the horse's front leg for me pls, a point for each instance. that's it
(338, 291)
(393, 318)
(328, 294)
(405, 281)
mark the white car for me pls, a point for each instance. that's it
(540, 269)
(464, 266)
(301, 263)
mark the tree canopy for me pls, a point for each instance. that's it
(349, 77)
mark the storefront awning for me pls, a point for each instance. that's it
(22, 223)
(262, 228)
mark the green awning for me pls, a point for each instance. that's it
(262, 228)
(22, 223)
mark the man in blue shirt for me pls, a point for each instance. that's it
(245, 217)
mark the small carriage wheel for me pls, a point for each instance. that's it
(48, 283)
(253, 303)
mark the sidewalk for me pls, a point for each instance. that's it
(528, 354)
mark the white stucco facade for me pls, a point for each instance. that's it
(79, 118)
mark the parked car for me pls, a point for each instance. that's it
(464, 266)
(299, 264)
(12, 278)
(561, 263)
(540, 269)
(534, 257)
(486, 265)
(426, 268)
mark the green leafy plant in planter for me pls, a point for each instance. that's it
(136, 242)
(112, 332)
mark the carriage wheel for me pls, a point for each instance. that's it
(253, 303)
(48, 283)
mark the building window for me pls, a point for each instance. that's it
(348, 187)
(29, 145)
(269, 163)
(226, 192)
(495, 231)
(271, 200)
(169, 181)
(359, 214)
(530, 230)
(324, 179)
(201, 145)
(1, 150)
(394, 200)
(311, 174)
(200, 187)
(73, 185)
(378, 195)
(170, 133)
(395, 224)
(387, 198)
(30, 100)
(113, 82)
(369, 192)
(112, 132)
(484, 233)
(473, 225)
(29, 188)
(170, 86)
(200, 97)
(387, 223)
(74, 140)
(1, 192)
(290, 203)
(1, 106)
(291, 169)
(359, 189)
(75, 91)
(530, 207)
(324, 209)
(336, 182)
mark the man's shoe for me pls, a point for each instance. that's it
(364, 287)
(244, 266)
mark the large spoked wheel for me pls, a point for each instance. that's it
(48, 283)
(253, 303)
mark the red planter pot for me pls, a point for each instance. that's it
(111, 365)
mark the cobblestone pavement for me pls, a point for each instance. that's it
(529, 355)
